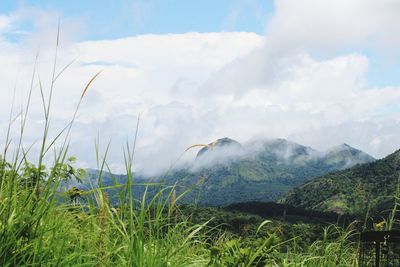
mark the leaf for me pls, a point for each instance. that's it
(72, 159)
(262, 224)
(89, 83)
(197, 145)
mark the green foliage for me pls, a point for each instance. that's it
(75, 193)
(334, 249)
(31, 175)
(66, 171)
(42, 231)
(237, 253)
(367, 188)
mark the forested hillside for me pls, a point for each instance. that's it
(355, 190)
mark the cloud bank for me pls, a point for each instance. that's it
(306, 79)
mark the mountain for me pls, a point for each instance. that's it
(345, 156)
(258, 171)
(226, 172)
(369, 186)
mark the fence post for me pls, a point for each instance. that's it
(377, 253)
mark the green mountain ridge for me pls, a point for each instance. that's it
(264, 171)
(226, 172)
(369, 186)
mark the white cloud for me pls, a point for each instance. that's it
(197, 87)
(5, 22)
(157, 76)
(335, 24)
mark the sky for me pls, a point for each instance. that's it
(317, 72)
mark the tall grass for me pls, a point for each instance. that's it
(39, 228)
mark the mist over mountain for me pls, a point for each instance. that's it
(346, 156)
(226, 143)
(226, 172)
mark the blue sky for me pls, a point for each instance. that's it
(107, 19)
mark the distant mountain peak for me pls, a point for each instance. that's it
(219, 143)
(347, 156)
(345, 148)
(226, 141)
(340, 147)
